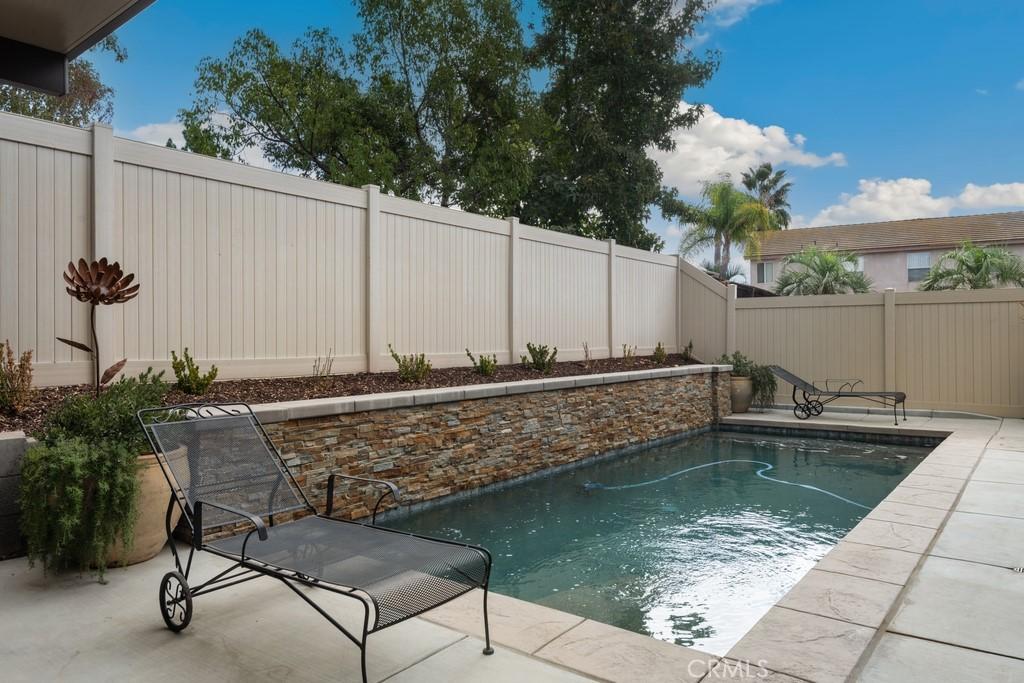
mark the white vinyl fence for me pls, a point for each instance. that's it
(262, 272)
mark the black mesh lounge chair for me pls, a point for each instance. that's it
(223, 470)
(814, 399)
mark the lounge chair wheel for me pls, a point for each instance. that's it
(816, 408)
(802, 411)
(175, 601)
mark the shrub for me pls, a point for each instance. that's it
(660, 355)
(762, 379)
(411, 368)
(109, 417)
(190, 380)
(485, 365)
(541, 358)
(588, 357)
(77, 497)
(688, 353)
(628, 354)
(15, 379)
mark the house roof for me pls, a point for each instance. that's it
(906, 235)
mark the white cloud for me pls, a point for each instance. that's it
(1020, 84)
(887, 200)
(728, 12)
(720, 144)
(158, 134)
(982, 91)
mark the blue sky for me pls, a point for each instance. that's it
(879, 109)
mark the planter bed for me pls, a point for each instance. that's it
(276, 390)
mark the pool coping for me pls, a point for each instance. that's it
(827, 627)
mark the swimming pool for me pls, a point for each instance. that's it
(690, 542)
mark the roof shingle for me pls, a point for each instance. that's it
(904, 235)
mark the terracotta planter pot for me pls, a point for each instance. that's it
(150, 535)
(741, 393)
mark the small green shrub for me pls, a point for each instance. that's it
(628, 354)
(110, 417)
(688, 353)
(411, 368)
(15, 379)
(762, 380)
(190, 380)
(660, 355)
(484, 365)
(77, 497)
(541, 358)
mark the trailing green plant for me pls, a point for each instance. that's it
(77, 498)
(660, 355)
(688, 353)
(15, 379)
(764, 386)
(762, 379)
(190, 379)
(411, 368)
(541, 358)
(484, 365)
(110, 417)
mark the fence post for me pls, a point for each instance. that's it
(374, 271)
(730, 319)
(103, 245)
(513, 288)
(611, 299)
(889, 325)
(679, 305)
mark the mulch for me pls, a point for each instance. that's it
(273, 390)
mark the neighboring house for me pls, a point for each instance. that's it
(893, 254)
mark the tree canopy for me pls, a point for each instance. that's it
(975, 267)
(821, 271)
(436, 103)
(771, 188)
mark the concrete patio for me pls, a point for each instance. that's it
(920, 590)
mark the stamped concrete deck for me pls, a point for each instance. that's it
(920, 590)
(923, 589)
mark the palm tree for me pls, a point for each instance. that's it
(771, 189)
(728, 217)
(821, 271)
(733, 272)
(974, 267)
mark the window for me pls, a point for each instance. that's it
(765, 272)
(918, 265)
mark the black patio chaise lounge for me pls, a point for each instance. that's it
(814, 399)
(223, 469)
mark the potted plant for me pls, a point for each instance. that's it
(91, 494)
(750, 383)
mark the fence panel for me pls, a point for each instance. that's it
(703, 312)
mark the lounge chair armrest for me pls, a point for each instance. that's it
(197, 520)
(392, 490)
(847, 384)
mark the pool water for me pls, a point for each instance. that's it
(693, 557)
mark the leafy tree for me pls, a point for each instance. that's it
(87, 101)
(305, 110)
(975, 267)
(729, 216)
(771, 189)
(617, 70)
(821, 271)
(459, 72)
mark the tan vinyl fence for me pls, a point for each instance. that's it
(262, 272)
(961, 350)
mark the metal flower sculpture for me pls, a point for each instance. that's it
(98, 283)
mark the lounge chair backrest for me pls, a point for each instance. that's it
(221, 455)
(787, 376)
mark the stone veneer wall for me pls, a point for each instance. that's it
(443, 448)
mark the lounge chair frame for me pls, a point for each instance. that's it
(811, 401)
(175, 593)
